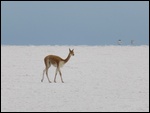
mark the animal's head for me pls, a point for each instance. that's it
(71, 52)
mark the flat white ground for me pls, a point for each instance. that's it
(97, 78)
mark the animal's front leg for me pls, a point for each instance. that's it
(60, 76)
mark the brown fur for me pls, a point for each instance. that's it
(57, 62)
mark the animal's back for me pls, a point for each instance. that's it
(53, 59)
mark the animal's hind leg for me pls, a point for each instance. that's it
(43, 75)
(45, 60)
(48, 65)
(55, 75)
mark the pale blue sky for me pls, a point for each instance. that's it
(74, 22)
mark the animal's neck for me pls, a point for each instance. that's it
(68, 57)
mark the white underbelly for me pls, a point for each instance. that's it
(55, 65)
(61, 63)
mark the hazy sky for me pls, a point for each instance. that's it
(74, 22)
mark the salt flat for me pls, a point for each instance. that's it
(97, 78)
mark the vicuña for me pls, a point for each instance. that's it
(57, 62)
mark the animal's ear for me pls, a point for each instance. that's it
(69, 49)
(72, 49)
